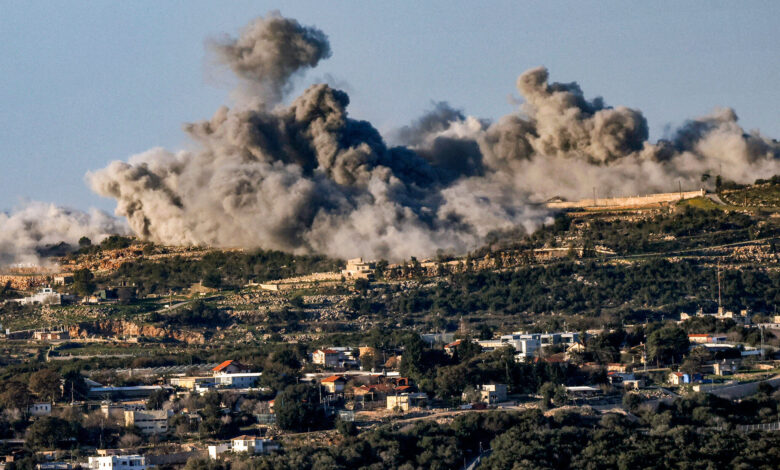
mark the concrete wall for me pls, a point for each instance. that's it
(733, 392)
(626, 201)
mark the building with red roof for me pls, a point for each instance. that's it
(230, 367)
(334, 383)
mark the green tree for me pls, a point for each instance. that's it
(157, 399)
(15, 395)
(83, 282)
(212, 279)
(346, 428)
(47, 384)
(412, 359)
(667, 344)
(297, 408)
(48, 432)
(74, 386)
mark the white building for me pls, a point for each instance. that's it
(118, 409)
(326, 357)
(238, 380)
(358, 269)
(741, 318)
(118, 462)
(432, 338)
(492, 393)
(45, 296)
(405, 401)
(149, 422)
(524, 344)
(248, 444)
(39, 409)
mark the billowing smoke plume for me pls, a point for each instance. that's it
(27, 231)
(307, 178)
(269, 52)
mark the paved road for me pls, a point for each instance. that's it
(716, 199)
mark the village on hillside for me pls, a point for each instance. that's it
(127, 355)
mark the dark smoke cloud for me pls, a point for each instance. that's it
(305, 177)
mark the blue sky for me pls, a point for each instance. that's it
(84, 83)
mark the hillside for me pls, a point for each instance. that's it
(588, 267)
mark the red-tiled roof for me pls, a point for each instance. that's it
(454, 343)
(332, 378)
(222, 366)
(403, 388)
(326, 351)
(700, 335)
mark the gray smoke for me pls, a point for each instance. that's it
(305, 177)
(269, 52)
(37, 225)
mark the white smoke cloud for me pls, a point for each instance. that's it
(307, 178)
(36, 225)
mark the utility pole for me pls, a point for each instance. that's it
(719, 290)
(595, 203)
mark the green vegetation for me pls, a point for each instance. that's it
(297, 408)
(633, 291)
(218, 269)
(531, 440)
(764, 194)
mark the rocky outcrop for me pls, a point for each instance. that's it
(126, 328)
(24, 283)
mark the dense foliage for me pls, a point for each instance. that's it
(219, 269)
(530, 440)
(590, 287)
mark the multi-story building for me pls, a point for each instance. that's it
(493, 393)
(357, 268)
(149, 422)
(525, 345)
(326, 357)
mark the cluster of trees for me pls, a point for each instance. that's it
(589, 288)
(690, 228)
(528, 440)
(113, 242)
(448, 377)
(45, 385)
(572, 441)
(219, 269)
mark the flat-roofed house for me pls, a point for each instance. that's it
(149, 422)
